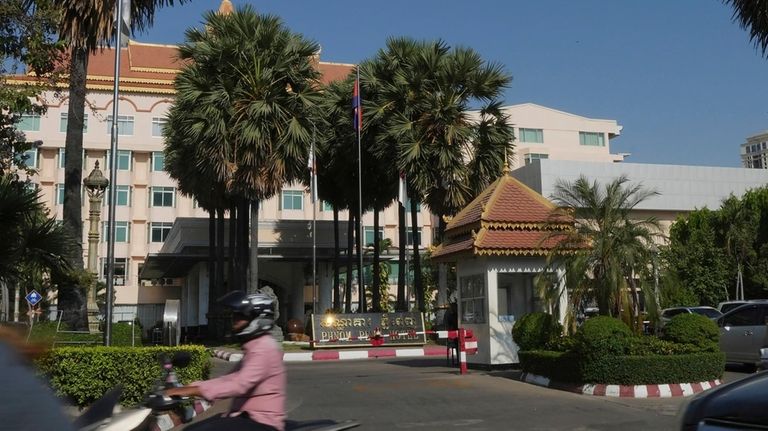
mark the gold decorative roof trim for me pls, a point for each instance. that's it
(511, 252)
(524, 226)
(131, 80)
(147, 90)
(155, 70)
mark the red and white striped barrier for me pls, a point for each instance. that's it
(466, 341)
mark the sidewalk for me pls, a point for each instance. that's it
(341, 354)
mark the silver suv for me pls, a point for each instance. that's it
(743, 332)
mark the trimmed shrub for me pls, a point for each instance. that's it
(603, 336)
(624, 370)
(46, 333)
(84, 374)
(562, 367)
(654, 369)
(535, 331)
(650, 345)
(695, 329)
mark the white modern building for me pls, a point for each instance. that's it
(754, 152)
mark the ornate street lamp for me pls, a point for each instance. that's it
(96, 184)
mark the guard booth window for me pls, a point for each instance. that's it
(473, 299)
(517, 295)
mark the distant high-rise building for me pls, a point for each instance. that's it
(754, 152)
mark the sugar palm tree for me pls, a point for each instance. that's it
(608, 246)
(85, 26)
(752, 15)
(424, 91)
(245, 103)
(32, 241)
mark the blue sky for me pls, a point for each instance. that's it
(680, 76)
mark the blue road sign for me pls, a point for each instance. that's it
(33, 298)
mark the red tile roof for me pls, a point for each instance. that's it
(507, 218)
(151, 68)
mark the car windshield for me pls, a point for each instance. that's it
(709, 312)
(728, 307)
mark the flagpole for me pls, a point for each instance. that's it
(360, 192)
(314, 224)
(113, 181)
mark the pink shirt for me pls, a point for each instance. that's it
(257, 384)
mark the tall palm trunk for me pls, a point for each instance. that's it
(362, 305)
(350, 246)
(253, 273)
(220, 252)
(637, 322)
(336, 258)
(242, 243)
(212, 282)
(418, 286)
(402, 301)
(376, 306)
(232, 267)
(73, 168)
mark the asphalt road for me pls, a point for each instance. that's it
(422, 394)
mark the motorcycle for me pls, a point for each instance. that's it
(159, 412)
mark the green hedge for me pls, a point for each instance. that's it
(536, 331)
(693, 329)
(46, 333)
(603, 335)
(624, 370)
(84, 374)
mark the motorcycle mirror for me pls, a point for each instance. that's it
(181, 359)
(100, 410)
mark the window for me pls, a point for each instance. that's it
(63, 122)
(121, 270)
(59, 194)
(158, 232)
(158, 161)
(368, 231)
(124, 160)
(473, 299)
(123, 196)
(747, 316)
(292, 200)
(535, 136)
(29, 159)
(327, 206)
(592, 139)
(157, 126)
(516, 295)
(122, 231)
(29, 123)
(530, 157)
(408, 206)
(409, 236)
(124, 125)
(63, 158)
(162, 196)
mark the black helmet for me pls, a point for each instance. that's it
(257, 308)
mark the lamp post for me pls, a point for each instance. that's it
(96, 184)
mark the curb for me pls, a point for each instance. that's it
(624, 391)
(341, 355)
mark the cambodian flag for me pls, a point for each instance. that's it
(357, 106)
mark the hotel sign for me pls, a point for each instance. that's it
(366, 329)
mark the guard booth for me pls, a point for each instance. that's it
(499, 243)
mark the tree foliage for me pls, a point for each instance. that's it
(707, 248)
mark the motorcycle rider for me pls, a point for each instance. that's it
(258, 383)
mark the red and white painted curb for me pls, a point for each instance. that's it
(625, 391)
(341, 355)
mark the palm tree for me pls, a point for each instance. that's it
(85, 26)
(245, 103)
(33, 244)
(608, 247)
(752, 15)
(423, 92)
